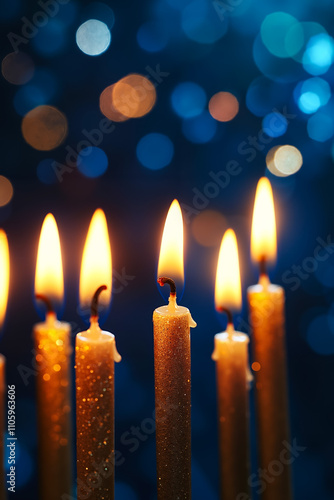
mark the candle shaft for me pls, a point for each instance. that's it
(94, 360)
(173, 403)
(231, 356)
(266, 305)
(53, 349)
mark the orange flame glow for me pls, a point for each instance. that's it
(4, 273)
(228, 285)
(96, 266)
(263, 240)
(171, 250)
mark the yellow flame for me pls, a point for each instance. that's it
(4, 274)
(263, 240)
(49, 279)
(228, 285)
(96, 266)
(171, 250)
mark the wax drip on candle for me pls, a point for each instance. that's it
(50, 313)
(95, 329)
(172, 304)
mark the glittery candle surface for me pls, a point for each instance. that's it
(2, 424)
(266, 307)
(231, 356)
(173, 403)
(94, 360)
(53, 354)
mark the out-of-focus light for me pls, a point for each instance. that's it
(320, 127)
(274, 124)
(45, 171)
(298, 36)
(50, 39)
(201, 23)
(101, 12)
(207, 228)
(6, 191)
(311, 94)
(200, 129)
(92, 162)
(223, 106)
(155, 151)
(188, 99)
(319, 54)
(40, 90)
(152, 37)
(320, 335)
(274, 31)
(44, 128)
(123, 490)
(93, 37)
(283, 161)
(17, 68)
(263, 95)
(133, 96)
(107, 108)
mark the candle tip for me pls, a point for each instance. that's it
(95, 299)
(228, 313)
(46, 300)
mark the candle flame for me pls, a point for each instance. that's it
(49, 279)
(96, 266)
(171, 250)
(228, 285)
(263, 239)
(4, 273)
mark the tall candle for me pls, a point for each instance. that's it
(267, 318)
(231, 356)
(95, 353)
(53, 381)
(171, 326)
(4, 286)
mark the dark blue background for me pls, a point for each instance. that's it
(136, 201)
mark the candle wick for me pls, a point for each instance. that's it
(95, 299)
(164, 280)
(228, 314)
(263, 266)
(47, 302)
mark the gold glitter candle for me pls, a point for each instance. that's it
(95, 353)
(172, 399)
(53, 357)
(267, 319)
(231, 356)
(53, 354)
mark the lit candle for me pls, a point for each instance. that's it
(172, 370)
(4, 285)
(53, 353)
(267, 318)
(231, 356)
(95, 353)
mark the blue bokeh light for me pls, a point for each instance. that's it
(274, 31)
(92, 162)
(155, 151)
(188, 100)
(152, 37)
(40, 90)
(319, 54)
(200, 129)
(274, 124)
(93, 37)
(123, 490)
(201, 23)
(51, 39)
(311, 94)
(320, 334)
(45, 171)
(320, 127)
